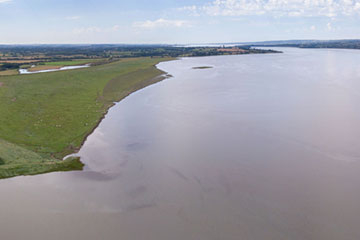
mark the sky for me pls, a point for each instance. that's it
(176, 22)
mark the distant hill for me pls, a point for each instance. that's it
(347, 44)
(309, 43)
(101, 48)
(280, 42)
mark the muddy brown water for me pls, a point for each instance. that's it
(257, 147)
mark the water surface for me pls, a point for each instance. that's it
(26, 71)
(257, 147)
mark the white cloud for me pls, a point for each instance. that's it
(115, 28)
(73, 18)
(329, 27)
(161, 23)
(86, 30)
(357, 6)
(294, 8)
(5, 1)
(193, 10)
(94, 29)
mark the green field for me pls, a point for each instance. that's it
(9, 72)
(47, 116)
(16, 161)
(70, 63)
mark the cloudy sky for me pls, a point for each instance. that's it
(174, 21)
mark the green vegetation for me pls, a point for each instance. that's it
(69, 63)
(46, 56)
(16, 161)
(202, 67)
(47, 116)
(9, 72)
(9, 66)
(59, 53)
(345, 44)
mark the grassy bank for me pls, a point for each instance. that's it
(45, 117)
(16, 161)
(9, 72)
(70, 63)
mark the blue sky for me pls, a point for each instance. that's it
(170, 21)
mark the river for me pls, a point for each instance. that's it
(257, 147)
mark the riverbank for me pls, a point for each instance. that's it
(48, 116)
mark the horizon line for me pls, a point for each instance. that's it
(171, 44)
